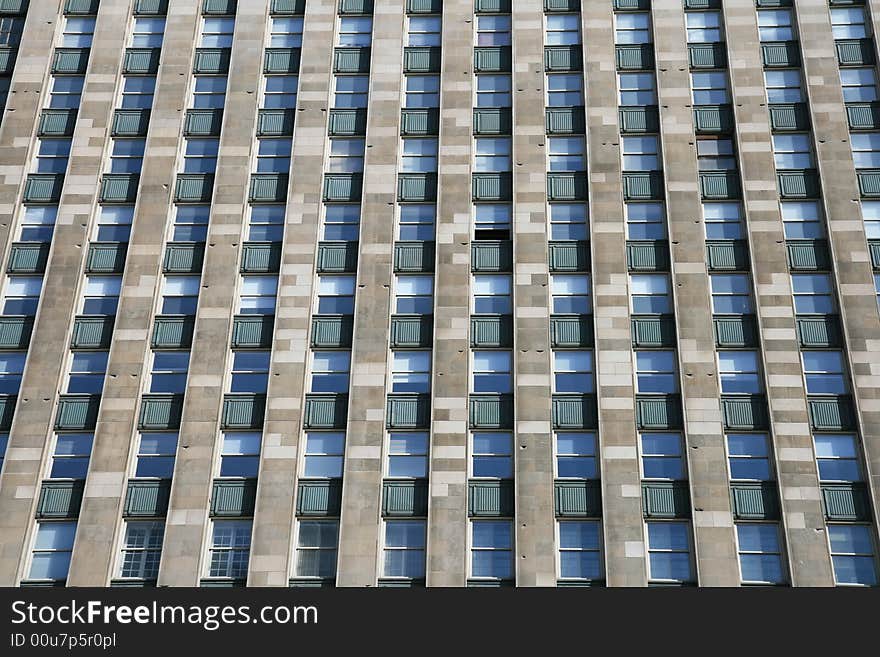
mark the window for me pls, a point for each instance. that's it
(190, 223)
(324, 454)
(250, 371)
(346, 156)
(565, 90)
(793, 151)
(37, 222)
(404, 549)
(78, 32)
(11, 370)
(414, 295)
(812, 294)
(566, 154)
(418, 155)
(563, 29)
(493, 30)
(87, 370)
(101, 295)
(748, 456)
(723, 221)
(823, 371)
(335, 295)
(775, 25)
(169, 371)
(410, 371)
(731, 294)
(354, 31)
(341, 222)
(141, 549)
(350, 91)
(492, 221)
(640, 153)
(568, 221)
(156, 454)
(10, 31)
(580, 549)
(114, 223)
(266, 223)
(848, 23)
(421, 91)
(330, 371)
(66, 91)
(801, 220)
(491, 294)
(637, 89)
(493, 91)
(316, 548)
(286, 32)
(209, 92)
(783, 86)
(852, 554)
(147, 32)
(22, 295)
(4, 444)
(576, 455)
(230, 549)
(492, 154)
(573, 371)
(180, 295)
(662, 456)
(760, 555)
(703, 26)
(871, 219)
(570, 294)
(645, 221)
(669, 552)
(240, 454)
(53, 546)
(70, 458)
(279, 91)
(655, 372)
(859, 85)
(273, 155)
(257, 295)
(650, 294)
(52, 155)
(137, 92)
(416, 222)
(877, 287)
(217, 32)
(423, 31)
(632, 28)
(491, 455)
(407, 455)
(200, 155)
(491, 371)
(738, 371)
(715, 155)
(866, 149)
(491, 549)
(837, 457)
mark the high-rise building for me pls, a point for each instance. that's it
(445, 293)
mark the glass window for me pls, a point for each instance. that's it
(217, 32)
(346, 156)
(715, 155)
(491, 549)
(404, 549)
(10, 31)
(645, 221)
(286, 32)
(200, 155)
(849, 23)
(354, 31)
(492, 294)
(66, 91)
(78, 32)
(492, 221)
(637, 89)
(279, 91)
(852, 554)
(407, 455)
(632, 28)
(775, 25)
(760, 554)
(669, 557)
(491, 372)
(53, 546)
(266, 223)
(859, 85)
(802, 220)
(137, 92)
(180, 295)
(563, 29)
(114, 223)
(316, 548)
(731, 294)
(22, 295)
(748, 456)
(662, 456)
(418, 155)
(573, 371)
(566, 154)
(330, 371)
(703, 26)
(341, 222)
(127, 155)
(70, 458)
(273, 155)
(568, 221)
(416, 222)
(783, 86)
(823, 371)
(4, 444)
(493, 91)
(336, 295)
(87, 370)
(147, 32)
(421, 91)
(812, 294)
(492, 154)
(650, 294)
(156, 454)
(423, 31)
(414, 295)
(230, 548)
(240, 454)
(738, 371)
(209, 92)
(191, 223)
(324, 454)
(11, 370)
(257, 295)
(576, 455)
(655, 372)
(141, 549)
(52, 155)
(580, 549)
(837, 457)
(570, 294)
(169, 371)
(565, 89)
(350, 91)
(865, 149)
(793, 151)
(492, 455)
(493, 30)
(250, 371)
(871, 218)
(640, 153)
(410, 371)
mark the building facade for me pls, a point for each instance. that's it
(461, 293)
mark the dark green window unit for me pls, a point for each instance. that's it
(781, 54)
(492, 499)
(57, 122)
(252, 331)
(567, 186)
(421, 59)
(160, 412)
(413, 257)
(293, 7)
(719, 185)
(571, 331)
(869, 182)
(28, 257)
(789, 116)
(855, 52)
(565, 120)
(575, 412)
(351, 60)
(119, 187)
(666, 499)
(319, 497)
(573, 255)
(491, 331)
(275, 122)
(492, 121)
(281, 60)
(173, 331)
(642, 185)
(43, 188)
(702, 4)
(7, 410)
(194, 188)
(492, 187)
(233, 498)
(77, 412)
(92, 331)
(577, 499)
(490, 411)
(416, 187)
(405, 498)
(337, 257)
(342, 187)
(60, 499)
(745, 413)
(833, 413)
(106, 257)
(70, 61)
(419, 122)
(707, 55)
(562, 58)
(260, 257)
(268, 188)
(635, 57)
(492, 6)
(132, 583)
(219, 7)
(13, 7)
(355, 6)
(243, 411)
(847, 501)
(564, 6)
(147, 498)
(647, 256)
(736, 331)
(818, 332)
(412, 331)
(209, 583)
(763, 4)
(656, 331)
(183, 257)
(332, 331)
(492, 256)
(15, 331)
(844, 3)
(754, 501)
(713, 119)
(326, 411)
(808, 255)
(424, 6)
(408, 411)
(141, 61)
(727, 255)
(81, 7)
(150, 7)
(7, 60)
(347, 122)
(203, 122)
(874, 248)
(492, 59)
(644, 118)
(798, 184)
(312, 582)
(863, 116)
(130, 122)
(211, 61)
(659, 412)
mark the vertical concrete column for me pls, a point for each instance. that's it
(362, 482)
(621, 488)
(191, 485)
(96, 543)
(276, 485)
(447, 503)
(803, 519)
(846, 233)
(707, 470)
(533, 448)
(32, 424)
